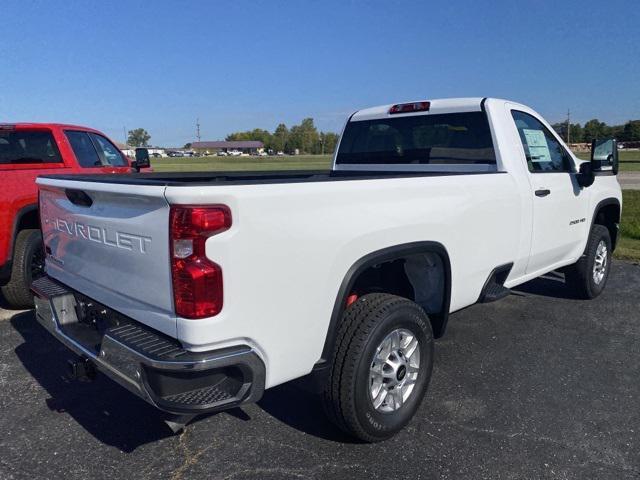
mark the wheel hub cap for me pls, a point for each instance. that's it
(394, 370)
(600, 263)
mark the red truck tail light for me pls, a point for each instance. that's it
(410, 107)
(197, 281)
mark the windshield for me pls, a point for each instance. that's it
(21, 146)
(452, 138)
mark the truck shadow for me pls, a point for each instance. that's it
(116, 417)
(550, 285)
(107, 411)
(302, 410)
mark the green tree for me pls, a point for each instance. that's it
(304, 137)
(631, 131)
(330, 142)
(280, 138)
(138, 137)
(595, 129)
(257, 134)
(577, 133)
(187, 145)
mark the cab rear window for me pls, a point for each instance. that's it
(23, 146)
(438, 139)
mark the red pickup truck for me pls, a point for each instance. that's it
(26, 151)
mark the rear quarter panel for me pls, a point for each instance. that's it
(291, 245)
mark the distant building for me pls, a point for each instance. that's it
(128, 150)
(246, 146)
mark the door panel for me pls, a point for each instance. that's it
(559, 206)
(559, 220)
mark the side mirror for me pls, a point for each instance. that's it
(585, 176)
(142, 159)
(604, 156)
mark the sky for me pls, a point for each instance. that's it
(238, 65)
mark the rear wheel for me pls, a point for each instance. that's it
(588, 276)
(381, 367)
(28, 264)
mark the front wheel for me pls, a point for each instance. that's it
(381, 367)
(588, 276)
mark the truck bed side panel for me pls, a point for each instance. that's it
(291, 245)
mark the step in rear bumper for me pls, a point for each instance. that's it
(148, 363)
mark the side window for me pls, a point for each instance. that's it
(109, 153)
(84, 150)
(28, 146)
(543, 152)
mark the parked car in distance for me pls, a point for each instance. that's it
(262, 154)
(222, 153)
(340, 279)
(234, 153)
(280, 153)
(26, 151)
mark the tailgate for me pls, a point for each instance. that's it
(111, 243)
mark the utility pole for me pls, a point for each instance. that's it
(126, 137)
(198, 129)
(568, 126)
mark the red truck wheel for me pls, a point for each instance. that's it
(28, 264)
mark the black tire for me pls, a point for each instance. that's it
(580, 276)
(365, 324)
(28, 262)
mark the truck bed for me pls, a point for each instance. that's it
(176, 179)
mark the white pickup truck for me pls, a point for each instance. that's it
(197, 291)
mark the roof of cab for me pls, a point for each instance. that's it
(64, 126)
(439, 105)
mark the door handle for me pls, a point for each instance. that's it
(78, 197)
(543, 192)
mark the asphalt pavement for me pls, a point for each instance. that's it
(537, 385)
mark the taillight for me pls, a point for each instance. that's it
(197, 281)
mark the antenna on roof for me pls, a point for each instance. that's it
(198, 129)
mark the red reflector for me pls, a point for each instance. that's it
(197, 281)
(351, 299)
(410, 107)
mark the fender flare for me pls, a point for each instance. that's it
(438, 321)
(600, 205)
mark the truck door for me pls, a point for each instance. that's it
(559, 204)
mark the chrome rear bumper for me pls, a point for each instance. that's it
(146, 362)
